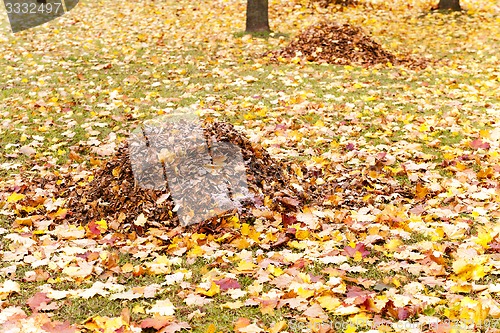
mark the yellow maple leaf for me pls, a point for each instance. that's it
(350, 329)
(461, 288)
(466, 269)
(262, 112)
(484, 237)
(116, 171)
(358, 256)
(127, 268)
(59, 214)
(306, 293)
(15, 197)
(246, 266)
(254, 235)
(278, 327)
(297, 245)
(245, 229)
(484, 133)
(329, 303)
(302, 234)
(138, 308)
(393, 244)
(214, 289)
(361, 319)
(276, 271)
(105, 324)
(319, 123)
(103, 226)
(473, 310)
(196, 251)
(241, 243)
(211, 328)
(233, 305)
(162, 260)
(114, 324)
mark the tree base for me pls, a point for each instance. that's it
(448, 5)
(258, 32)
(446, 10)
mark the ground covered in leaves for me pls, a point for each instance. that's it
(377, 184)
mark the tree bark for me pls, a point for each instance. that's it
(257, 16)
(449, 5)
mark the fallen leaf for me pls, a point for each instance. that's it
(157, 322)
(39, 301)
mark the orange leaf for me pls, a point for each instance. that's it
(157, 322)
(240, 323)
(421, 191)
(211, 328)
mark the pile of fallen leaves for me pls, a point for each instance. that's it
(332, 43)
(114, 195)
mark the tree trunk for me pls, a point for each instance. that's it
(257, 16)
(449, 5)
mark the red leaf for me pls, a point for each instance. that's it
(282, 239)
(228, 283)
(403, 313)
(390, 309)
(58, 327)
(301, 263)
(157, 322)
(359, 295)
(288, 220)
(291, 202)
(94, 228)
(494, 247)
(478, 143)
(38, 302)
(360, 247)
(370, 305)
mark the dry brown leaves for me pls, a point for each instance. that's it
(114, 195)
(328, 42)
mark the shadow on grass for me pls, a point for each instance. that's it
(264, 35)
